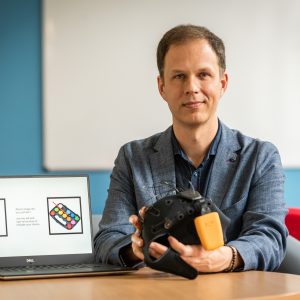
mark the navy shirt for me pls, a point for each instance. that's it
(187, 174)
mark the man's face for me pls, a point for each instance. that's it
(192, 83)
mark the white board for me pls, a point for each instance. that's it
(99, 73)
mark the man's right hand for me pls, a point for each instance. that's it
(156, 250)
(137, 241)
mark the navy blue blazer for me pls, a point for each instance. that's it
(247, 184)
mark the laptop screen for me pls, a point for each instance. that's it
(45, 219)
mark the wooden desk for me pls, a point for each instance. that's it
(148, 284)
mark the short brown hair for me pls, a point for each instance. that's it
(183, 33)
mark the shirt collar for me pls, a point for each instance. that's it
(212, 150)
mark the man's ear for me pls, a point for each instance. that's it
(160, 85)
(224, 83)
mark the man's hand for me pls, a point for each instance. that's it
(137, 241)
(207, 261)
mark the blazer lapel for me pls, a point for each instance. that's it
(223, 169)
(163, 166)
(224, 166)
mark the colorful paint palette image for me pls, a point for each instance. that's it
(64, 216)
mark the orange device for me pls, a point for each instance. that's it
(209, 230)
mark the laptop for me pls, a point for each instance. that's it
(46, 228)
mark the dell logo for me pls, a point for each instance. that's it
(30, 260)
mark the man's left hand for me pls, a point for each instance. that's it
(202, 260)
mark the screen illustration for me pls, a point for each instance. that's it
(64, 215)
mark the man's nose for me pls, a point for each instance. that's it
(192, 85)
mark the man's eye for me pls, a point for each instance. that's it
(203, 75)
(179, 76)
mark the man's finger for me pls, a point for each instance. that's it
(142, 211)
(180, 248)
(154, 253)
(134, 220)
(135, 239)
(159, 248)
(137, 251)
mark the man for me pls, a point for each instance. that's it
(243, 176)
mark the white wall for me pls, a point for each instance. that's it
(99, 73)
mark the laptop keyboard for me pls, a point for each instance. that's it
(60, 269)
(48, 267)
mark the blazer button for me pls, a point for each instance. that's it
(233, 159)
